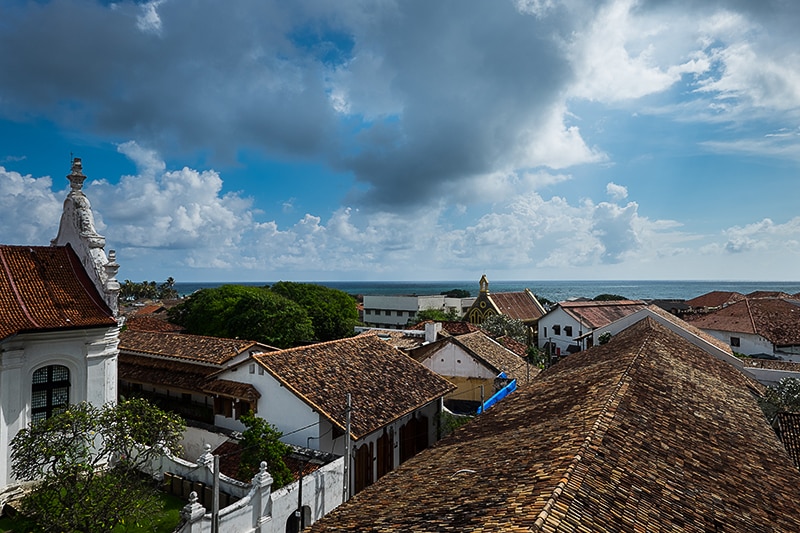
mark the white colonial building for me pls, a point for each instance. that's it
(58, 327)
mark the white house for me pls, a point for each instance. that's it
(756, 326)
(561, 330)
(394, 410)
(58, 327)
(396, 311)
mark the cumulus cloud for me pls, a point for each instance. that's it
(29, 210)
(617, 192)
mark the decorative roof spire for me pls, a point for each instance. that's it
(76, 177)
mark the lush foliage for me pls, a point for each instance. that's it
(87, 460)
(237, 311)
(261, 442)
(130, 290)
(284, 315)
(333, 313)
(456, 293)
(785, 396)
(604, 337)
(499, 325)
(434, 314)
(608, 298)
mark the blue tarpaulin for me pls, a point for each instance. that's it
(499, 395)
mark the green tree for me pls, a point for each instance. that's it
(130, 290)
(434, 314)
(608, 298)
(499, 325)
(261, 442)
(785, 396)
(456, 293)
(333, 313)
(86, 461)
(237, 311)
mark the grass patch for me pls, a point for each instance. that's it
(163, 522)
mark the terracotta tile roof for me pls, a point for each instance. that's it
(645, 433)
(724, 346)
(789, 431)
(451, 327)
(497, 357)
(513, 345)
(196, 348)
(232, 389)
(767, 294)
(599, 314)
(714, 299)
(776, 320)
(384, 383)
(400, 339)
(151, 323)
(518, 305)
(46, 288)
(163, 372)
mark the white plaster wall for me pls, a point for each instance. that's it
(748, 344)
(91, 357)
(560, 318)
(277, 405)
(453, 361)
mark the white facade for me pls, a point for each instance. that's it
(395, 311)
(561, 329)
(90, 355)
(302, 425)
(743, 343)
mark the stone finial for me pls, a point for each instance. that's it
(111, 268)
(207, 458)
(76, 177)
(192, 511)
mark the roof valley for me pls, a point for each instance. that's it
(576, 471)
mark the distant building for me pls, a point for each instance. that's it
(564, 329)
(396, 311)
(522, 306)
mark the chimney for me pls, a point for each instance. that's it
(432, 330)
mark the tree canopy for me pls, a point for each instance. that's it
(333, 313)
(284, 315)
(434, 314)
(130, 290)
(608, 298)
(260, 442)
(500, 325)
(87, 463)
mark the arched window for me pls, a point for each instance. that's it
(49, 392)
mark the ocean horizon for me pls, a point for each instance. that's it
(552, 290)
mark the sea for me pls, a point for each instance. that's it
(555, 291)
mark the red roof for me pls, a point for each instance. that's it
(715, 299)
(518, 305)
(46, 288)
(776, 320)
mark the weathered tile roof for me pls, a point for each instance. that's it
(400, 339)
(645, 433)
(776, 320)
(496, 356)
(597, 314)
(451, 327)
(714, 299)
(789, 431)
(518, 305)
(196, 348)
(232, 389)
(694, 330)
(384, 383)
(46, 288)
(513, 345)
(170, 373)
(151, 323)
(767, 294)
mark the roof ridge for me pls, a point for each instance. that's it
(750, 315)
(599, 427)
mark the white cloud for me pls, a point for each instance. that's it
(616, 192)
(29, 211)
(148, 20)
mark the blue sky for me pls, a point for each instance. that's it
(261, 140)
